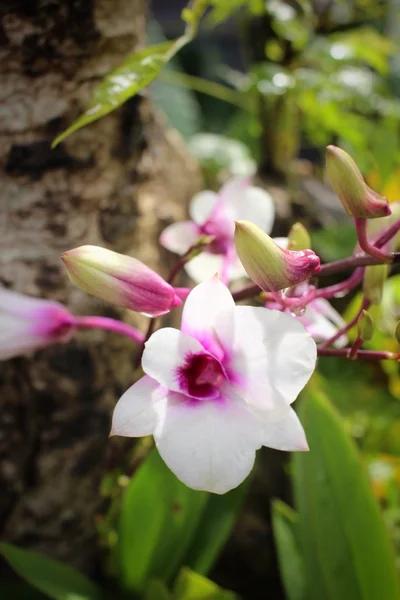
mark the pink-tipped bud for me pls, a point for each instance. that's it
(119, 279)
(271, 267)
(28, 324)
(358, 199)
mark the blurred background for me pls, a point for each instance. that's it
(261, 91)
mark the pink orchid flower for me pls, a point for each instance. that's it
(214, 214)
(28, 324)
(219, 389)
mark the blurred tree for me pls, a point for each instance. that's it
(116, 183)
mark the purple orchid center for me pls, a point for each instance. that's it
(222, 230)
(201, 376)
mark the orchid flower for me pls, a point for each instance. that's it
(219, 389)
(214, 215)
(28, 324)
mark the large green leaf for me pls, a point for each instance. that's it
(50, 576)
(346, 549)
(214, 528)
(192, 586)
(285, 523)
(135, 73)
(158, 518)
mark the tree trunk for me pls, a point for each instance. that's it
(116, 183)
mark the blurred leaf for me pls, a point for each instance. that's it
(20, 592)
(158, 518)
(347, 553)
(53, 578)
(217, 153)
(135, 73)
(214, 528)
(225, 9)
(336, 242)
(288, 24)
(157, 590)
(192, 586)
(285, 523)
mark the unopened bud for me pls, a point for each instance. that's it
(119, 279)
(374, 280)
(358, 199)
(272, 268)
(299, 238)
(365, 326)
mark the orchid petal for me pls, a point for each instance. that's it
(322, 322)
(282, 242)
(17, 337)
(244, 202)
(272, 354)
(204, 266)
(165, 352)
(201, 312)
(179, 237)
(138, 410)
(208, 445)
(202, 205)
(285, 434)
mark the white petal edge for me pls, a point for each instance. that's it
(254, 205)
(179, 237)
(208, 445)
(165, 352)
(204, 266)
(286, 434)
(17, 337)
(138, 410)
(202, 205)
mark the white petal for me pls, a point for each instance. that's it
(208, 445)
(272, 354)
(179, 237)
(286, 434)
(202, 311)
(165, 352)
(322, 322)
(204, 266)
(282, 242)
(19, 305)
(236, 269)
(249, 203)
(137, 411)
(202, 205)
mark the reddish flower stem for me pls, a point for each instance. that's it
(364, 354)
(364, 306)
(341, 289)
(365, 244)
(94, 322)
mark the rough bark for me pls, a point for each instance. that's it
(115, 183)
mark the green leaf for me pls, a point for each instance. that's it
(157, 590)
(346, 549)
(285, 523)
(158, 518)
(214, 528)
(18, 591)
(192, 586)
(50, 576)
(336, 242)
(135, 73)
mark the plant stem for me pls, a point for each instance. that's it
(365, 244)
(364, 306)
(94, 322)
(364, 354)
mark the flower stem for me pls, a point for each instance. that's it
(364, 354)
(364, 306)
(338, 290)
(94, 322)
(365, 244)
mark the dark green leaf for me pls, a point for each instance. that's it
(285, 523)
(346, 550)
(50, 576)
(158, 518)
(135, 73)
(157, 590)
(214, 528)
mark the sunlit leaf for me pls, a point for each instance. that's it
(158, 518)
(192, 586)
(55, 579)
(214, 528)
(135, 73)
(285, 523)
(346, 549)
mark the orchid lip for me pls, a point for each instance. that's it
(201, 376)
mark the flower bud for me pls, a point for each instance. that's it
(299, 238)
(28, 324)
(272, 268)
(365, 326)
(374, 280)
(358, 199)
(119, 279)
